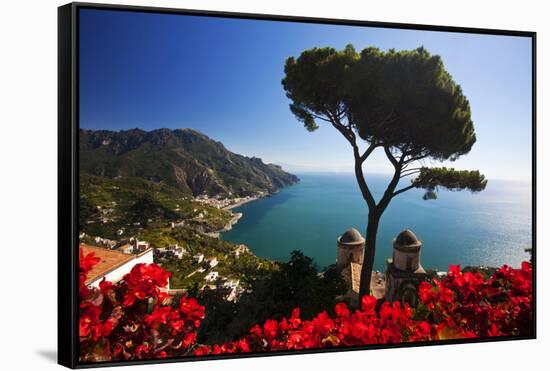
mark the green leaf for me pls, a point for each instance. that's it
(433, 178)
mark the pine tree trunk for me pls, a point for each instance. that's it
(370, 250)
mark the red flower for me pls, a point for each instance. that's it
(256, 331)
(216, 349)
(147, 274)
(158, 316)
(295, 320)
(105, 285)
(141, 350)
(368, 304)
(201, 350)
(425, 292)
(270, 329)
(191, 308)
(295, 340)
(454, 270)
(341, 310)
(242, 346)
(88, 261)
(133, 319)
(189, 339)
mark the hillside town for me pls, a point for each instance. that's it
(228, 203)
(119, 256)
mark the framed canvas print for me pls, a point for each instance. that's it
(235, 185)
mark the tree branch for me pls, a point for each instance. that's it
(411, 169)
(348, 133)
(391, 157)
(409, 172)
(414, 158)
(388, 194)
(359, 160)
(404, 189)
(319, 117)
(368, 151)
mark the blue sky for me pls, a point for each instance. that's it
(223, 78)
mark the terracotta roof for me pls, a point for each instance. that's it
(110, 260)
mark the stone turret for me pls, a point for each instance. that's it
(404, 271)
(406, 251)
(351, 247)
(349, 260)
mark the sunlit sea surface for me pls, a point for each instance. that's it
(488, 228)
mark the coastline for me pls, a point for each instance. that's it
(242, 202)
(234, 218)
(237, 216)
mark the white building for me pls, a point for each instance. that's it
(241, 249)
(231, 283)
(198, 258)
(173, 251)
(105, 242)
(177, 224)
(212, 276)
(212, 262)
(113, 265)
(179, 252)
(234, 290)
(126, 249)
(142, 245)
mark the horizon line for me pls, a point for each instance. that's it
(349, 172)
(285, 166)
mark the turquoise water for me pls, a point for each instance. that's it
(490, 228)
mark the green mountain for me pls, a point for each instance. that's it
(183, 158)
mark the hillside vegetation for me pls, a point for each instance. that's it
(183, 158)
(131, 204)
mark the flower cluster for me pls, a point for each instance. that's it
(391, 323)
(135, 319)
(464, 304)
(86, 263)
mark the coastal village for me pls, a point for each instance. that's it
(226, 202)
(399, 282)
(119, 256)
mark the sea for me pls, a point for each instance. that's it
(489, 228)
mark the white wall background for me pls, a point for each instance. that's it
(28, 152)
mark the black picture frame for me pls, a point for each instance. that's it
(68, 187)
